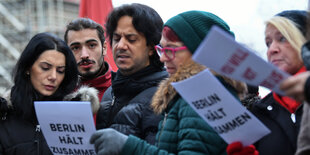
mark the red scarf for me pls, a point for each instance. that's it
(287, 102)
(101, 83)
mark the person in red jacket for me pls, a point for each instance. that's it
(86, 39)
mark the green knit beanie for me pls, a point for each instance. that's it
(192, 27)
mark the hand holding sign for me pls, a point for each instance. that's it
(220, 109)
(220, 52)
(66, 126)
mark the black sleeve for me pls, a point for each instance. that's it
(4, 108)
(307, 90)
(150, 125)
(102, 114)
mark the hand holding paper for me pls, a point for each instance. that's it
(209, 98)
(236, 148)
(220, 52)
(66, 126)
(108, 141)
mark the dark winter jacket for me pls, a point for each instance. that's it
(126, 105)
(284, 127)
(303, 141)
(182, 130)
(19, 136)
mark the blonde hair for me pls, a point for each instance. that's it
(290, 31)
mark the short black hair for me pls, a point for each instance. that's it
(23, 93)
(85, 23)
(144, 19)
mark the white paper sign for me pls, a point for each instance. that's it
(67, 126)
(222, 111)
(220, 52)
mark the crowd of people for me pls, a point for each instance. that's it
(136, 109)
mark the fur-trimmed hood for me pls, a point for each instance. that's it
(7, 98)
(85, 93)
(5, 104)
(166, 92)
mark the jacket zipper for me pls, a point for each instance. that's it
(293, 115)
(162, 127)
(113, 100)
(37, 140)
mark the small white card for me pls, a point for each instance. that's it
(220, 52)
(67, 126)
(222, 111)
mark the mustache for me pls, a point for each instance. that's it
(86, 61)
(120, 52)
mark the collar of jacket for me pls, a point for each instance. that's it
(5, 104)
(165, 93)
(101, 82)
(137, 82)
(269, 106)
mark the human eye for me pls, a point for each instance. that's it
(132, 39)
(282, 39)
(168, 51)
(45, 66)
(92, 45)
(267, 43)
(116, 37)
(61, 70)
(75, 48)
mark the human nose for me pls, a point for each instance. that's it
(122, 44)
(53, 75)
(84, 53)
(273, 49)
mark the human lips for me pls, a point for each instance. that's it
(86, 65)
(49, 87)
(170, 69)
(276, 61)
(122, 57)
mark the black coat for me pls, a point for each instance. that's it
(283, 137)
(128, 110)
(21, 137)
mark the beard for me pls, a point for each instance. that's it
(89, 74)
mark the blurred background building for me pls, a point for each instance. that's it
(21, 19)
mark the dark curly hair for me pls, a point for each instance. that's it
(144, 19)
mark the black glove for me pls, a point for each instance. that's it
(305, 54)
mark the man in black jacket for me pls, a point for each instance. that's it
(133, 31)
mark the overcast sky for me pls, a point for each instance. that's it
(245, 17)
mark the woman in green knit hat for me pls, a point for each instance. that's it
(181, 130)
